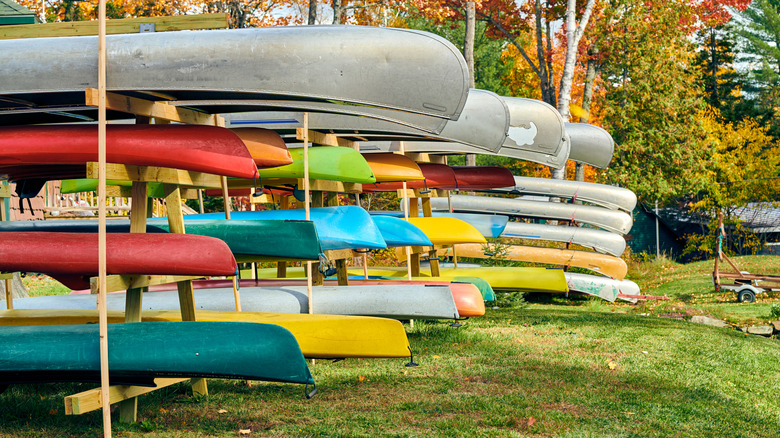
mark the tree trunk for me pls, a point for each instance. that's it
(468, 41)
(587, 97)
(17, 289)
(312, 12)
(544, 84)
(338, 11)
(574, 33)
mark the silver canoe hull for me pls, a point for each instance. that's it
(610, 220)
(351, 64)
(590, 144)
(599, 240)
(408, 302)
(483, 124)
(600, 194)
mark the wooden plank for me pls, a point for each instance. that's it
(414, 207)
(317, 279)
(127, 192)
(331, 186)
(155, 109)
(5, 189)
(9, 295)
(281, 269)
(340, 254)
(317, 199)
(166, 175)
(426, 207)
(90, 400)
(415, 265)
(419, 157)
(116, 26)
(324, 139)
(433, 260)
(115, 283)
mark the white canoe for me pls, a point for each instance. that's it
(600, 194)
(606, 288)
(598, 240)
(235, 69)
(610, 220)
(483, 124)
(590, 144)
(407, 302)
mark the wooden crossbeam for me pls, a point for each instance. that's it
(116, 26)
(417, 193)
(90, 400)
(5, 189)
(322, 185)
(325, 139)
(157, 110)
(128, 172)
(126, 192)
(123, 282)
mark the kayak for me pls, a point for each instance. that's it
(140, 352)
(393, 167)
(447, 230)
(398, 232)
(319, 336)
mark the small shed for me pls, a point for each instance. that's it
(14, 13)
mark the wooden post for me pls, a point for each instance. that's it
(186, 294)
(9, 294)
(102, 272)
(225, 197)
(128, 409)
(307, 201)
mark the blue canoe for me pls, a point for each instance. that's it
(344, 227)
(398, 232)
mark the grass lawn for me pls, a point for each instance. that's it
(550, 368)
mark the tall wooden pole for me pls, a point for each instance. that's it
(307, 200)
(102, 280)
(407, 206)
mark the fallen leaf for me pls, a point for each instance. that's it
(361, 378)
(612, 365)
(630, 413)
(531, 421)
(222, 411)
(244, 431)
(53, 412)
(163, 410)
(435, 356)
(644, 352)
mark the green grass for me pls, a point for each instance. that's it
(576, 368)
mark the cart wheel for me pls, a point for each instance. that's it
(746, 296)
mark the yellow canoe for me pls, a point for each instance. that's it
(319, 336)
(526, 279)
(610, 266)
(447, 230)
(393, 168)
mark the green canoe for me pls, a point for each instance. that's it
(328, 163)
(140, 352)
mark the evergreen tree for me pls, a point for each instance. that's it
(722, 84)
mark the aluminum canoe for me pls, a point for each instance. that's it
(241, 68)
(138, 353)
(590, 144)
(599, 194)
(612, 267)
(319, 336)
(408, 302)
(344, 227)
(483, 124)
(610, 220)
(598, 240)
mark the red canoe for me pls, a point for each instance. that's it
(72, 258)
(208, 149)
(437, 176)
(483, 177)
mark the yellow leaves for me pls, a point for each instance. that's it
(612, 364)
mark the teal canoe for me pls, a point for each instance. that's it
(344, 227)
(140, 352)
(248, 240)
(255, 239)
